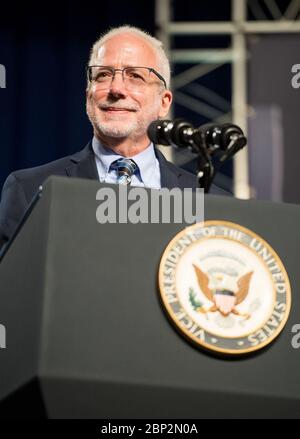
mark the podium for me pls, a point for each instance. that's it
(86, 333)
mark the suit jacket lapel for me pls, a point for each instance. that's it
(170, 174)
(83, 164)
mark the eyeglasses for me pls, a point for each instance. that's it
(133, 77)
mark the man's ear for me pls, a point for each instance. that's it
(166, 101)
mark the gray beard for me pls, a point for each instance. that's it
(108, 130)
(114, 131)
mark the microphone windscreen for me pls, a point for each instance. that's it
(157, 132)
(229, 130)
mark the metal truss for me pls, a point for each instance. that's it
(266, 17)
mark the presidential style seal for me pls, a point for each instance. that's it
(224, 287)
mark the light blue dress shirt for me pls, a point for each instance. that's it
(148, 174)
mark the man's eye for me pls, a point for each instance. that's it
(135, 75)
(103, 75)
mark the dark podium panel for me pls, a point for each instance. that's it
(87, 336)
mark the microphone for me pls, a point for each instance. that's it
(226, 137)
(208, 138)
(166, 132)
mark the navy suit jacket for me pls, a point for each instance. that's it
(21, 186)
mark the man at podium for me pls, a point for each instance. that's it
(128, 87)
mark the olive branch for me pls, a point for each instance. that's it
(196, 304)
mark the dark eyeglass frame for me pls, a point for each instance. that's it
(150, 69)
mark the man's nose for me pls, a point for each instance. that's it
(117, 85)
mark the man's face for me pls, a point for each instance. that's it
(115, 111)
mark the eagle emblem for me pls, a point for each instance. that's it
(224, 300)
(219, 290)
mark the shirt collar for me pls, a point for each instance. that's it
(146, 160)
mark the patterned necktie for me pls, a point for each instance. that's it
(125, 169)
